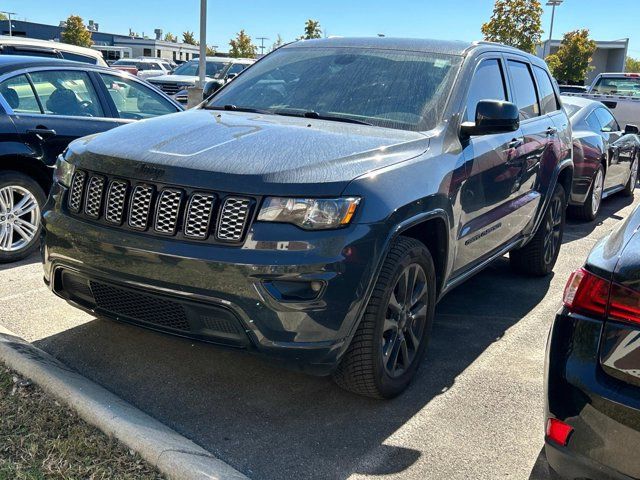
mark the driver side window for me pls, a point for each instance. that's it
(68, 93)
(487, 84)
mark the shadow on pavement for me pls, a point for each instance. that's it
(33, 258)
(576, 229)
(272, 423)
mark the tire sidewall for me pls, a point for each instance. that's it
(589, 204)
(387, 385)
(21, 180)
(558, 192)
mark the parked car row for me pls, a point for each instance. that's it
(144, 68)
(296, 215)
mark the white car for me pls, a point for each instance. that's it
(143, 68)
(30, 47)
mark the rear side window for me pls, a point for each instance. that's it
(75, 57)
(487, 84)
(548, 100)
(524, 90)
(19, 95)
(607, 122)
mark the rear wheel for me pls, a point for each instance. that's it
(391, 339)
(591, 207)
(21, 201)
(538, 257)
(633, 179)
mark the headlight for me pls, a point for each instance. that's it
(63, 173)
(309, 213)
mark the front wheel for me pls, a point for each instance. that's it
(21, 200)
(391, 339)
(630, 187)
(539, 256)
(591, 207)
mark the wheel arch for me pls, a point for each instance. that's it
(31, 167)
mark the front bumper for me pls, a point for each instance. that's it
(603, 411)
(238, 284)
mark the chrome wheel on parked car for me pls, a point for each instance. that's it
(553, 229)
(21, 201)
(405, 320)
(596, 193)
(19, 218)
(633, 178)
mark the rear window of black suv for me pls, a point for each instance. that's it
(388, 88)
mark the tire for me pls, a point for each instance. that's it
(367, 368)
(630, 187)
(539, 256)
(19, 234)
(591, 207)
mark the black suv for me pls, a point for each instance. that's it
(318, 206)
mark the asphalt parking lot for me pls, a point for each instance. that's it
(474, 412)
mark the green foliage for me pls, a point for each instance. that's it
(189, 37)
(75, 33)
(278, 43)
(571, 63)
(311, 30)
(211, 52)
(3, 17)
(170, 37)
(632, 65)
(242, 47)
(516, 23)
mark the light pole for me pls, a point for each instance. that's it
(553, 4)
(8, 14)
(202, 63)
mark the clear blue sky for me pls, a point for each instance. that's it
(442, 19)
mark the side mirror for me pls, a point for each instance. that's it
(631, 129)
(209, 89)
(492, 116)
(231, 76)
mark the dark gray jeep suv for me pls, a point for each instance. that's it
(318, 206)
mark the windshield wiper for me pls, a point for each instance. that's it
(234, 108)
(319, 116)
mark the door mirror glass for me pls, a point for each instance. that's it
(493, 116)
(631, 130)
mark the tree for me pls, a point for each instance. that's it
(277, 44)
(632, 65)
(189, 37)
(3, 17)
(311, 30)
(242, 47)
(75, 33)
(516, 23)
(170, 37)
(211, 52)
(571, 63)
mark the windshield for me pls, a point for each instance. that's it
(192, 68)
(618, 86)
(396, 89)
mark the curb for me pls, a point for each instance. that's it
(174, 455)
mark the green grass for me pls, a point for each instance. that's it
(41, 439)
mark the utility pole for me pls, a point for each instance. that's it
(262, 39)
(8, 14)
(553, 4)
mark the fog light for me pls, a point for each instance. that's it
(558, 432)
(294, 290)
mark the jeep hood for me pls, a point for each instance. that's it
(246, 153)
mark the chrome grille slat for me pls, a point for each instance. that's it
(93, 200)
(233, 219)
(198, 216)
(140, 207)
(116, 199)
(167, 211)
(74, 201)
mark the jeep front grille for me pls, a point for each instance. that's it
(160, 209)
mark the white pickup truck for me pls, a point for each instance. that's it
(618, 91)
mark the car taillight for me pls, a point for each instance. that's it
(589, 294)
(624, 304)
(586, 293)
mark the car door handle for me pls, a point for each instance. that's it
(515, 143)
(42, 132)
(552, 131)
